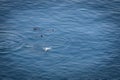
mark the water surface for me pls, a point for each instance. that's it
(84, 37)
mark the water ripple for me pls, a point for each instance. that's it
(10, 41)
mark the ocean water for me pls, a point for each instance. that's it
(84, 37)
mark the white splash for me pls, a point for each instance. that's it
(47, 48)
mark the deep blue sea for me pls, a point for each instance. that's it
(82, 38)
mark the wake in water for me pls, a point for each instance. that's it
(10, 41)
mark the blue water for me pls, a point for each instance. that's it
(84, 37)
